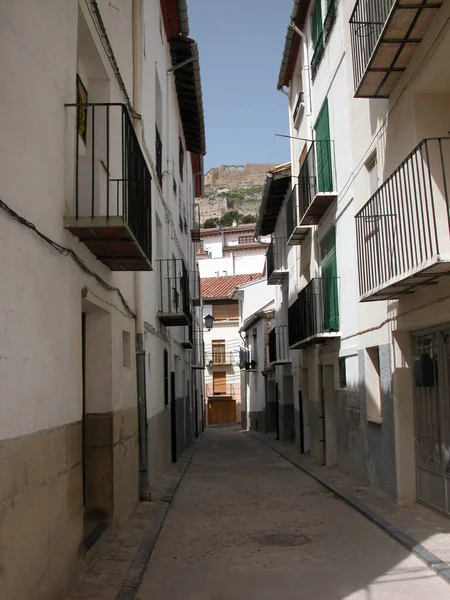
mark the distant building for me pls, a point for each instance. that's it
(222, 347)
(231, 251)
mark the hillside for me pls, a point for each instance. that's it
(236, 188)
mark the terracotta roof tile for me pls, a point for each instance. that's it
(223, 287)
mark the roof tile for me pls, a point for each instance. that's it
(223, 287)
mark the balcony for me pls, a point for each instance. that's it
(385, 34)
(296, 233)
(188, 342)
(112, 203)
(221, 389)
(158, 154)
(276, 256)
(279, 346)
(316, 183)
(196, 296)
(247, 360)
(403, 230)
(221, 356)
(314, 316)
(174, 301)
(196, 226)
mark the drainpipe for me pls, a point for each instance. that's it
(140, 352)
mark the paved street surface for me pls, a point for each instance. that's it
(246, 524)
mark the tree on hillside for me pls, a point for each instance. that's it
(249, 219)
(210, 223)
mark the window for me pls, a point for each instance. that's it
(373, 384)
(317, 36)
(323, 150)
(245, 239)
(126, 349)
(181, 158)
(222, 312)
(342, 373)
(166, 378)
(82, 98)
(329, 282)
(218, 351)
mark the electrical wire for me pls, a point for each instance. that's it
(68, 252)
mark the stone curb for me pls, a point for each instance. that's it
(134, 576)
(430, 559)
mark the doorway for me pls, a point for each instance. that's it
(432, 418)
(96, 422)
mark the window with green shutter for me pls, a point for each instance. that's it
(329, 282)
(317, 27)
(323, 151)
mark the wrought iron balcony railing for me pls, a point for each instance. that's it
(314, 316)
(112, 203)
(196, 225)
(316, 182)
(279, 345)
(403, 230)
(174, 300)
(276, 256)
(195, 288)
(222, 389)
(385, 34)
(158, 154)
(296, 232)
(221, 356)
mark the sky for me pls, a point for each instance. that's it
(241, 45)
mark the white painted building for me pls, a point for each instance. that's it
(256, 314)
(222, 347)
(364, 223)
(94, 300)
(231, 251)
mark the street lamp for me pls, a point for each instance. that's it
(209, 322)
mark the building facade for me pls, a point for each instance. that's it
(101, 153)
(364, 222)
(232, 250)
(222, 348)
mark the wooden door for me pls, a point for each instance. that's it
(219, 383)
(221, 411)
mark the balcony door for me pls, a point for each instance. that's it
(218, 352)
(323, 151)
(329, 282)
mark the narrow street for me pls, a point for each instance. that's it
(247, 524)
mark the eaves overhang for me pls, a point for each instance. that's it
(292, 42)
(275, 188)
(175, 17)
(189, 92)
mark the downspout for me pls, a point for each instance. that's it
(140, 350)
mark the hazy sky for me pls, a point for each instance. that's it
(241, 45)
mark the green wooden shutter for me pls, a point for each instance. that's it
(317, 27)
(323, 151)
(329, 283)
